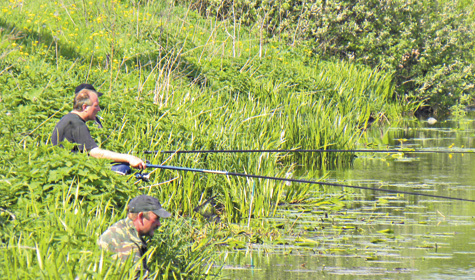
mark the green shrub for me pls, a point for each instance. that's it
(428, 45)
(43, 173)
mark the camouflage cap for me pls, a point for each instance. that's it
(145, 203)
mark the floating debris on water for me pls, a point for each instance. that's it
(431, 120)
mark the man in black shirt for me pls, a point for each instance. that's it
(73, 128)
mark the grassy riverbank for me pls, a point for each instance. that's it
(172, 80)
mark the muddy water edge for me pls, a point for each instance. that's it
(378, 235)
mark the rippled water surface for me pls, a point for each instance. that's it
(380, 235)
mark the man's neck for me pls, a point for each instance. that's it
(80, 114)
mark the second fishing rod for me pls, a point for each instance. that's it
(406, 151)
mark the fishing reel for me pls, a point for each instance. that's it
(145, 177)
(142, 176)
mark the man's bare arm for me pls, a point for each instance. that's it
(134, 161)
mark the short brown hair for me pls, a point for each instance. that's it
(81, 98)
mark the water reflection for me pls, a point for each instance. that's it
(383, 235)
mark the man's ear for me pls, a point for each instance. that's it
(140, 217)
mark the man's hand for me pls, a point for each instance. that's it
(136, 162)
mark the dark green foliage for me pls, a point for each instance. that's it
(46, 172)
(428, 45)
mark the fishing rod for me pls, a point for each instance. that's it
(467, 151)
(300, 181)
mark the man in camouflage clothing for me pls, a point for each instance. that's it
(124, 238)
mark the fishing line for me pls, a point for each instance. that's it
(301, 181)
(467, 151)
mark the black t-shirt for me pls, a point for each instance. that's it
(74, 129)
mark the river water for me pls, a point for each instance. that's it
(379, 235)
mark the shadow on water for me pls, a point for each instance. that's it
(379, 235)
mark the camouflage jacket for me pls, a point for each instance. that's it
(124, 241)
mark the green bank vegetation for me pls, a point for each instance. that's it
(428, 44)
(174, 77)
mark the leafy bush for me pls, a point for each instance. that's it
(46, 172)
(428, 45)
